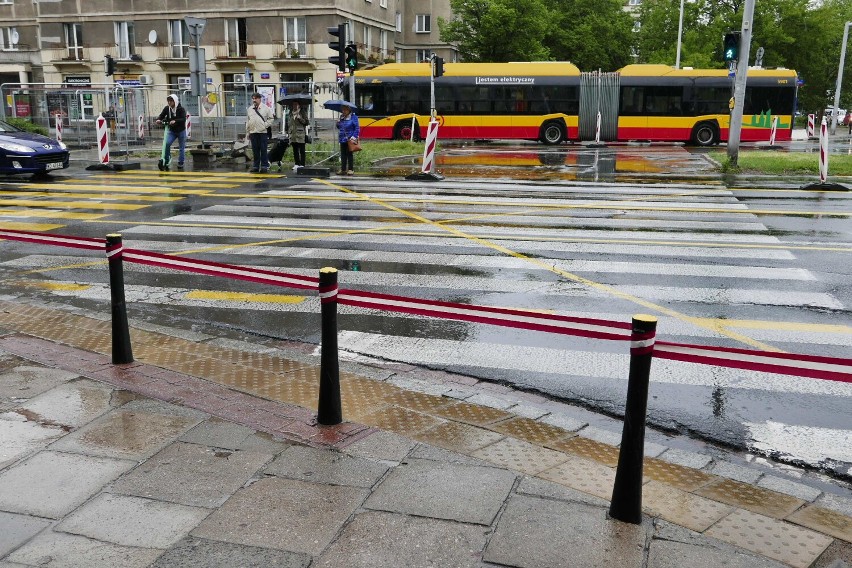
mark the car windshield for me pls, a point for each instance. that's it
(6, 127)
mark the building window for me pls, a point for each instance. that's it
(179, 39)
(398, 22)
(9, 39)
(423, 23)
(74, 41)
(383, 3)
(235, 37)
(5, 1)
(125, 39)
(295, 36)
(383, 43)
(368, 41)
(423, 55)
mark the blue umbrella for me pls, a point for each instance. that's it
(336, 105)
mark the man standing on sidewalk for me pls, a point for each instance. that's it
(258, 123)
(174, 117)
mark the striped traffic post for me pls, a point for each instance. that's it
(811, 123)
(102, 136)
(188, 125)
(58, 127)
(823, 151)
(427, 170)
(140, 128)
(598, 129)
(121, 351)
(329, 408)
(773, 130)
(626, 502)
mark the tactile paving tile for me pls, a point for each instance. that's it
(459, 437)
(589, 449)
(755, 499)
(472, 414)
(520, 456)
(682, 508)
(678, 476)
(583, 475)
(793, 545)
(531, 431)
(400, 420)
(418, 401)
(824, 521)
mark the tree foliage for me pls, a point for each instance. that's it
(593, 34)
(796, 34)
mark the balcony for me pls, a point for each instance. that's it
(233, 51)
(121, 56)
(173, 53)
(69, 56)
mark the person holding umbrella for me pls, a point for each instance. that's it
(297, 130)
(348, 129)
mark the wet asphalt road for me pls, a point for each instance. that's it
(602, 233)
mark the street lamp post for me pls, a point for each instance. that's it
(679, 36)
(839, 78)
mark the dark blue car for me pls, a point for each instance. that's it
(29, 153)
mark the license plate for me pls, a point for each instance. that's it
(55, 166)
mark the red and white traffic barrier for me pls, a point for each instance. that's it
(429, 150)
(140, 128)
(811, 125)
(50, 239)
(773, 131)
(188, 125)
(823, 151)
(598, 129)
(102, 135)
(58, 127)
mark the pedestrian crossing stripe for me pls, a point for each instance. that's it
(197, 175)
(102, 185)
(74, 204)
(51, 214)
(105, 195)
(35, 227)
(244, 297)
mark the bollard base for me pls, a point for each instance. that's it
(313, 172)
(115, 167)
(424, 176)
(825, 186)
(770, 147)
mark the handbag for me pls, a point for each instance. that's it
(354, 145)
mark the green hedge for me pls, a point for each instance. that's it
(26, 125)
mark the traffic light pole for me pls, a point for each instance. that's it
(736, 123)
(839, 78)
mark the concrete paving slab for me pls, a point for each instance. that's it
(390, 540)
(429, 452)
(667, 554)
(17, 529)
(530, 525)
(60, 550)
(72, 404)
(382, 446)
(326, 466)
(126, 433)
(52, 484)
(202, 553)
(286, 514)
(218, 433)
(542, 488)
(789, 487)
(19, 437)
(463, 493)
(193, 475)
(25, 381)
(133, 521)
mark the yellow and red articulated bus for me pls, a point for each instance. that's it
(554, 102)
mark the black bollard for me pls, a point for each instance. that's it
(626, 502)
(329, 411)
(121, 351)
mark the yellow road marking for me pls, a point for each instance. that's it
(106, 195)
(41, 227)
(585, 281)
(58, 286)
(51, 214)
(67, 187)
(244, 297)
(783, 325)
(70, 204)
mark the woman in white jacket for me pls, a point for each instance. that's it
(259, 119)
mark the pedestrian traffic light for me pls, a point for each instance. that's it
(439, 67)
(109, 65)
(731, 46)
(351, 56)
(337, 46)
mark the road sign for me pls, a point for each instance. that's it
(196, 28)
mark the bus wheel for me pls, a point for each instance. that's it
(552, 133)
(402, 131)
(705, 134)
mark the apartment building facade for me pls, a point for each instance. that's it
(65, 42)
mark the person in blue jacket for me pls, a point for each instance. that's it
(347, 129)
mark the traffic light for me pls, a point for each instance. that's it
(731, 45)
(109, 65)
(351, 56)
(338, 31)
(439, 66)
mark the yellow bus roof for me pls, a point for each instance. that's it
(537, 68)
(646, 70)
